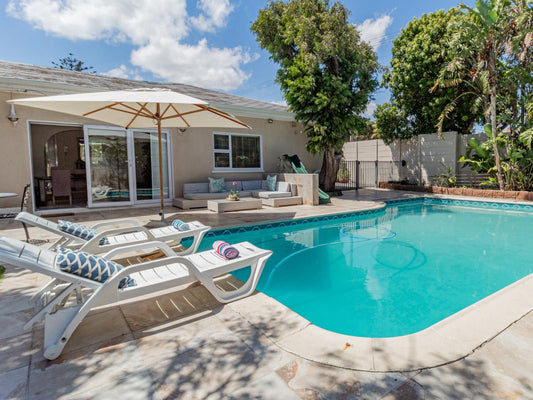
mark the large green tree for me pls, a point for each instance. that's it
(419, 52)
(325, 72)
(492, 52)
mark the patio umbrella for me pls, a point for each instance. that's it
(139, 108)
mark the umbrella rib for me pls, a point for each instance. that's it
(100, 109)
(133, 112)
(148, 114)
(221, 114)
(165, 111)
(179, 115)
(135, 116)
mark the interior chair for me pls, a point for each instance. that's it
(61, 185)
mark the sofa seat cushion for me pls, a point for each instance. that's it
(204, 196)
(212, 196)
(270, 194)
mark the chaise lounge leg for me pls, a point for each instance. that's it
(60, 325)
(58, 299)
(245, 290)
(46, 288)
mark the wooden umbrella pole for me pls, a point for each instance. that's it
(160, 144)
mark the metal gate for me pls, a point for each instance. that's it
(362, 174)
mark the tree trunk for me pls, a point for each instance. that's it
(494, 126)
(330, 166)
(493, 73)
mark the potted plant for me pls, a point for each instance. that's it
(343, 175)
(233, 194)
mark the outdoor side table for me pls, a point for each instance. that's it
(223, 205)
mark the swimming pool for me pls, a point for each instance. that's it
(393, 272)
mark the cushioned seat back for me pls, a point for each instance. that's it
(229, 185)
(283, 187)
(251, 185)
(196, 187)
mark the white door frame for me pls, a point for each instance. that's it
(169, 163)
(90, 203)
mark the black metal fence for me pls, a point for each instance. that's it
(361, 174)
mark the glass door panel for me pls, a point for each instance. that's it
(108, 165)
(146, 151)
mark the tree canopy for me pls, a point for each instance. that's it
(492, 53)
(72, 63)
(325, 72)
(419, 53)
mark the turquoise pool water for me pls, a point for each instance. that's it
(395, 272)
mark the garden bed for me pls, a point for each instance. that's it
(489, 193)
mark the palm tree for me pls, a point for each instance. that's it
(483, 43)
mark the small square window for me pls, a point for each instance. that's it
(221, 142)
(221, 160)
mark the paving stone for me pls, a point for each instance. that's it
(267, 350)
(213, 371)
(98, 326)
(270, 387)
(13, 323)
(132, 387)
(312, 380)
(88, 370)
(13, 384)
(407, 391)
(164, 342)
(15, 352)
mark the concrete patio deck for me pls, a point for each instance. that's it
(186, 345)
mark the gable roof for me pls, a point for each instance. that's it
(28, 78)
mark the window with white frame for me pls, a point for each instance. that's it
(237, 151)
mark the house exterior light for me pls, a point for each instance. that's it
(13, 117)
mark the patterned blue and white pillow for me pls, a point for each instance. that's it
(81, 231)
(89, 266)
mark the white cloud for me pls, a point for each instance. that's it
(124, 73)
(280, 103)
(157, 28)
(215, 13)
(370, 108)
(373, 30)
(187, 64)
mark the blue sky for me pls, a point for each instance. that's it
(206, 43)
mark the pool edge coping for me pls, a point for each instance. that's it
(377, 206)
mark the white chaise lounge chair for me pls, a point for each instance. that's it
(150, 277)
(131, 233)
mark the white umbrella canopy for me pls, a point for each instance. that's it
(139, 108)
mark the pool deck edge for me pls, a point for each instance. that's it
(449, 340)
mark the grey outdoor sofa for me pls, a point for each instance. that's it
(196, 195)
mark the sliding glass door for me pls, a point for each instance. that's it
(123, 166)
(146, 152)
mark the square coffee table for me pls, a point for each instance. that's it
(223, 205)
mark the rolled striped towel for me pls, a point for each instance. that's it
(180, 225)
(225, 250)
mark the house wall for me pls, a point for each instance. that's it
(425, 156)
(192, 151)
(278, 138)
